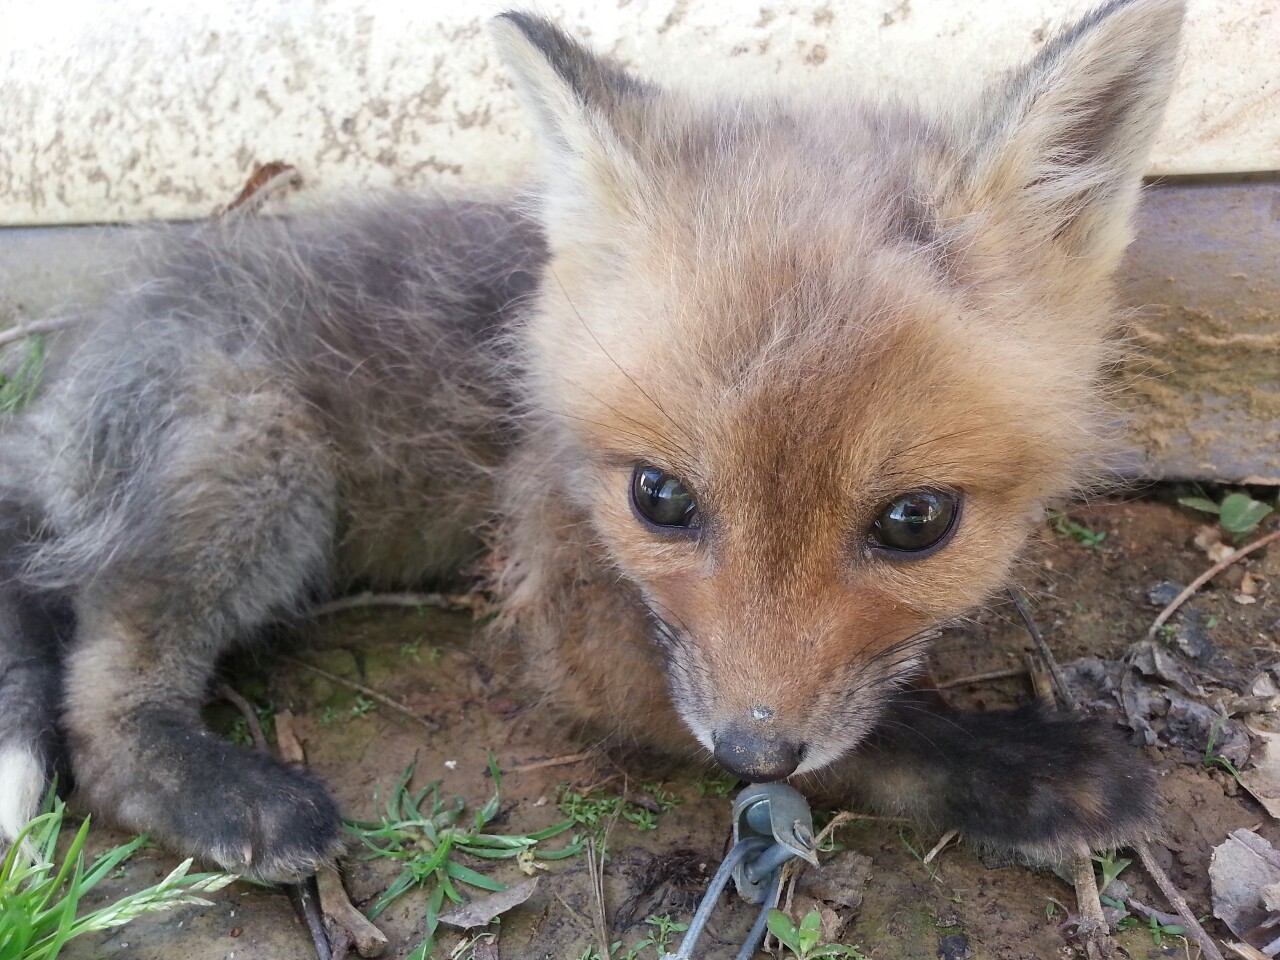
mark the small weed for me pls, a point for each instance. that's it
(805, 941)
(715, 784)
(1212, 759)
(425, 833)
(1110, 867)
(1238, 513)
(42, 898)
(1154, 927)
(1069, 529)
(410, 651)
(329, 716)
(17, 391)
(595, 809)
(362, 706)
(661, 931)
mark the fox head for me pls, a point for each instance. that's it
(812, 367)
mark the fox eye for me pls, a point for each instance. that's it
(917, 523)
(661, 498)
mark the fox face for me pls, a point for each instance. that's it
(812, 370)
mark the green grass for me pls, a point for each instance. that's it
(1070, 530)
(42, 893)
(17, 391)
(595, 809)
(426, 833)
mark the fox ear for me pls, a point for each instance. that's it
(1063, 142)
(584, 109)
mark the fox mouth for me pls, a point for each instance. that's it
(848, 707)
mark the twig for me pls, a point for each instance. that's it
(554, 762)
(36, 327)
(263, 184)
(940, 845)
(250, 715)
(307, 900)
(1177, 901)
(444, 601)
(1007, 674)
(1208, 575)
(1059, 681)
(595, 870)
(369, 692)
(1092, 923)
(1162, 918)
(369, 940)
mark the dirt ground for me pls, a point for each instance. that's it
(1091, 601)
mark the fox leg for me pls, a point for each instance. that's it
(228, 527)
(32, 626)
(1027, 782)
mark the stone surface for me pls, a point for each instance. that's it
(139, 110)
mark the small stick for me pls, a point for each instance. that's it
(1092, 925)
(1208, 575)
(940, 845)
(250, 715)
(369, 692)
(554, 762)
(1007, 674)
(369, 940)
(308, 902)
(595, 869)
(1176, 899)
(36, 327)
(1161, 917)
(444, 601)
(1059, 681)
(264, 183)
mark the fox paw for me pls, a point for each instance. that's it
(202, 796)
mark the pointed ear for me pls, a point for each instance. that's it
(585, 111)
(1062, 144)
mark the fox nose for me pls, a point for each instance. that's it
(751, 753)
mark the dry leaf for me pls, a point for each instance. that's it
(1242, 867)
(1262, 779)
(481, 911)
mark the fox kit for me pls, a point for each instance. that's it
(750, 398)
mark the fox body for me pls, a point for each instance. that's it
(748, 398)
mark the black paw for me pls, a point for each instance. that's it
(200, 795)
(1029, 783)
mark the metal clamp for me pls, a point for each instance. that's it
(771, 824)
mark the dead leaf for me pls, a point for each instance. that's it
(1249, 585)
(839, 881)
(1152, 660)
(287, 742)
(480, 912)
(1262, 779)
(1242, 867)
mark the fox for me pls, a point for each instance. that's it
(745, 398)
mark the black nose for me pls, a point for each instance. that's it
(754, 756)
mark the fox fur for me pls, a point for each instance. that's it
(802, 309)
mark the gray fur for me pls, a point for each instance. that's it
(276, 411)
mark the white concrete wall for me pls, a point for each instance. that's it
(124, 110)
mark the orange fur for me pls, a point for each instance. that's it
(803, 310)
